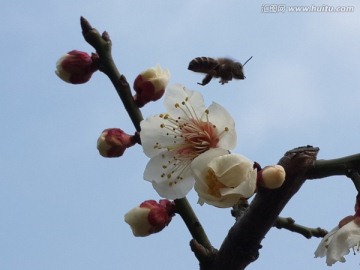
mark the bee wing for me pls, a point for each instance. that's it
(203, 65)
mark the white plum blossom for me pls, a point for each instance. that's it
(338, 242)
(222, 179)
(173, 139)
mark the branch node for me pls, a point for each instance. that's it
(239, 209)
(105, 35)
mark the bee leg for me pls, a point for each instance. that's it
(206, 80)
(225, 73)
(225, 80)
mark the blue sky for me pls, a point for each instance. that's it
(62, 204)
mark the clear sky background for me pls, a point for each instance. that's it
(62, 204)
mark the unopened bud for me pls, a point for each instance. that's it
(77, 67)
(150, 85)
(271, 176)
(113, 142)
(150, 217)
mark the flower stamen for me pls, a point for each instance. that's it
(214, 184)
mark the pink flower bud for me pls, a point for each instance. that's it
(150, 85)
(113, 142)
(271, 177)
(150, 217)
(77, 67)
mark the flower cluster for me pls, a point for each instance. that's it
(188, 147)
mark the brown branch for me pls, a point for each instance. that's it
(339, 166)
(242, 244)
(282, 223)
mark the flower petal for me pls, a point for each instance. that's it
(174, 191)
(345, 238)
(170, 178)
(176, 94)
(137, 218)
(231, 169)
(246, 188)
(199, 164)
(164, 167)
(221, 202)
(322, 248)
(155, 139)
(219, 116)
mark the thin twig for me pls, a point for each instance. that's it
(102, 45)
(289, 224)
(184, 209)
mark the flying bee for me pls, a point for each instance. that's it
(223, 68)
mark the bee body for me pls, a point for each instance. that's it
(223, 68)
(203, 64)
